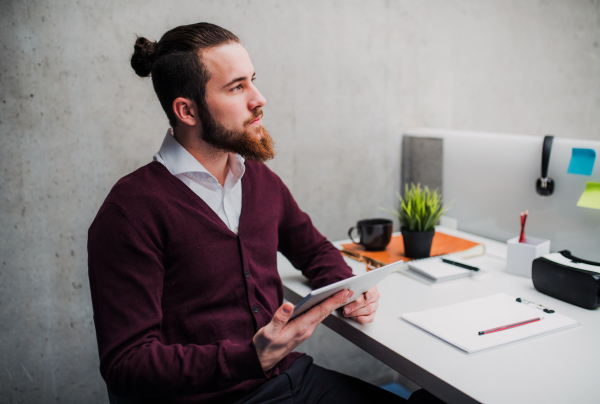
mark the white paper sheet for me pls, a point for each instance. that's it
(438, 271)
(459, 324)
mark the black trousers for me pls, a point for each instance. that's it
(305, 382)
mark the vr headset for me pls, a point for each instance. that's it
(568, 278)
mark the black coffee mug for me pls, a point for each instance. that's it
(374, 234)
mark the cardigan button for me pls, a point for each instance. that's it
(255, 309)
(247, 274)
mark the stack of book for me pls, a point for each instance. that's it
(443, 244)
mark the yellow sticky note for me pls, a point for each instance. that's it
(591, 196)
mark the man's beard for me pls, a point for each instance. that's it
(242, 142)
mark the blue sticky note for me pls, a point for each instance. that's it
(582, 161)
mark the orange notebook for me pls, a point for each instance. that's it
(442, 244)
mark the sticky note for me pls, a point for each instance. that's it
(582, 161)
(591, 196)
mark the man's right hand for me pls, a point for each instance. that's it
(278, 338)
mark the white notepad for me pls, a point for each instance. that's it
(436, 270)
(459, 324)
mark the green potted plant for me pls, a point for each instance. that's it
(419, 211)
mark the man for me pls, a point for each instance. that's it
(182, 254)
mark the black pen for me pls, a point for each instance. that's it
(460, 264)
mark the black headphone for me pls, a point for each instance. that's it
(544, 185)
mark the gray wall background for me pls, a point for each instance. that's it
(342, 78)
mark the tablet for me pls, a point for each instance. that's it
(358, 284)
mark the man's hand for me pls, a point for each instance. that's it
(278, 338)
(363, 309)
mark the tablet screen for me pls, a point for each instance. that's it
(358, 284)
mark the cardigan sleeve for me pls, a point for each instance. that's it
(126, 281)
(307, 249)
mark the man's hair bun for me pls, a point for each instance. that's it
(144, 54)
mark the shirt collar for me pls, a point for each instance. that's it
(179, 161)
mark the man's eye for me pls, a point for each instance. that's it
(237, 88)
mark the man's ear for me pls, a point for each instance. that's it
(185, 110)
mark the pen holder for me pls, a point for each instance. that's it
(520, 256)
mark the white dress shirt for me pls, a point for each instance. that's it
(225, 201)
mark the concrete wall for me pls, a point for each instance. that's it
(342, 78)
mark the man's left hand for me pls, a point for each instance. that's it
(363, 309)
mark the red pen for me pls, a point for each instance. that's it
(508, 327)
(523, 221)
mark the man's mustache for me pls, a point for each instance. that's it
(256, 113)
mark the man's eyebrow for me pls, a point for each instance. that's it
(237, 80)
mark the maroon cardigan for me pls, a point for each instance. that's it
(178, 296)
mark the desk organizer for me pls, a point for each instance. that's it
(521, 255)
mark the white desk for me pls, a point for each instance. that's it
(559, 368)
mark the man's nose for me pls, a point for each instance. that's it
(256, 99)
